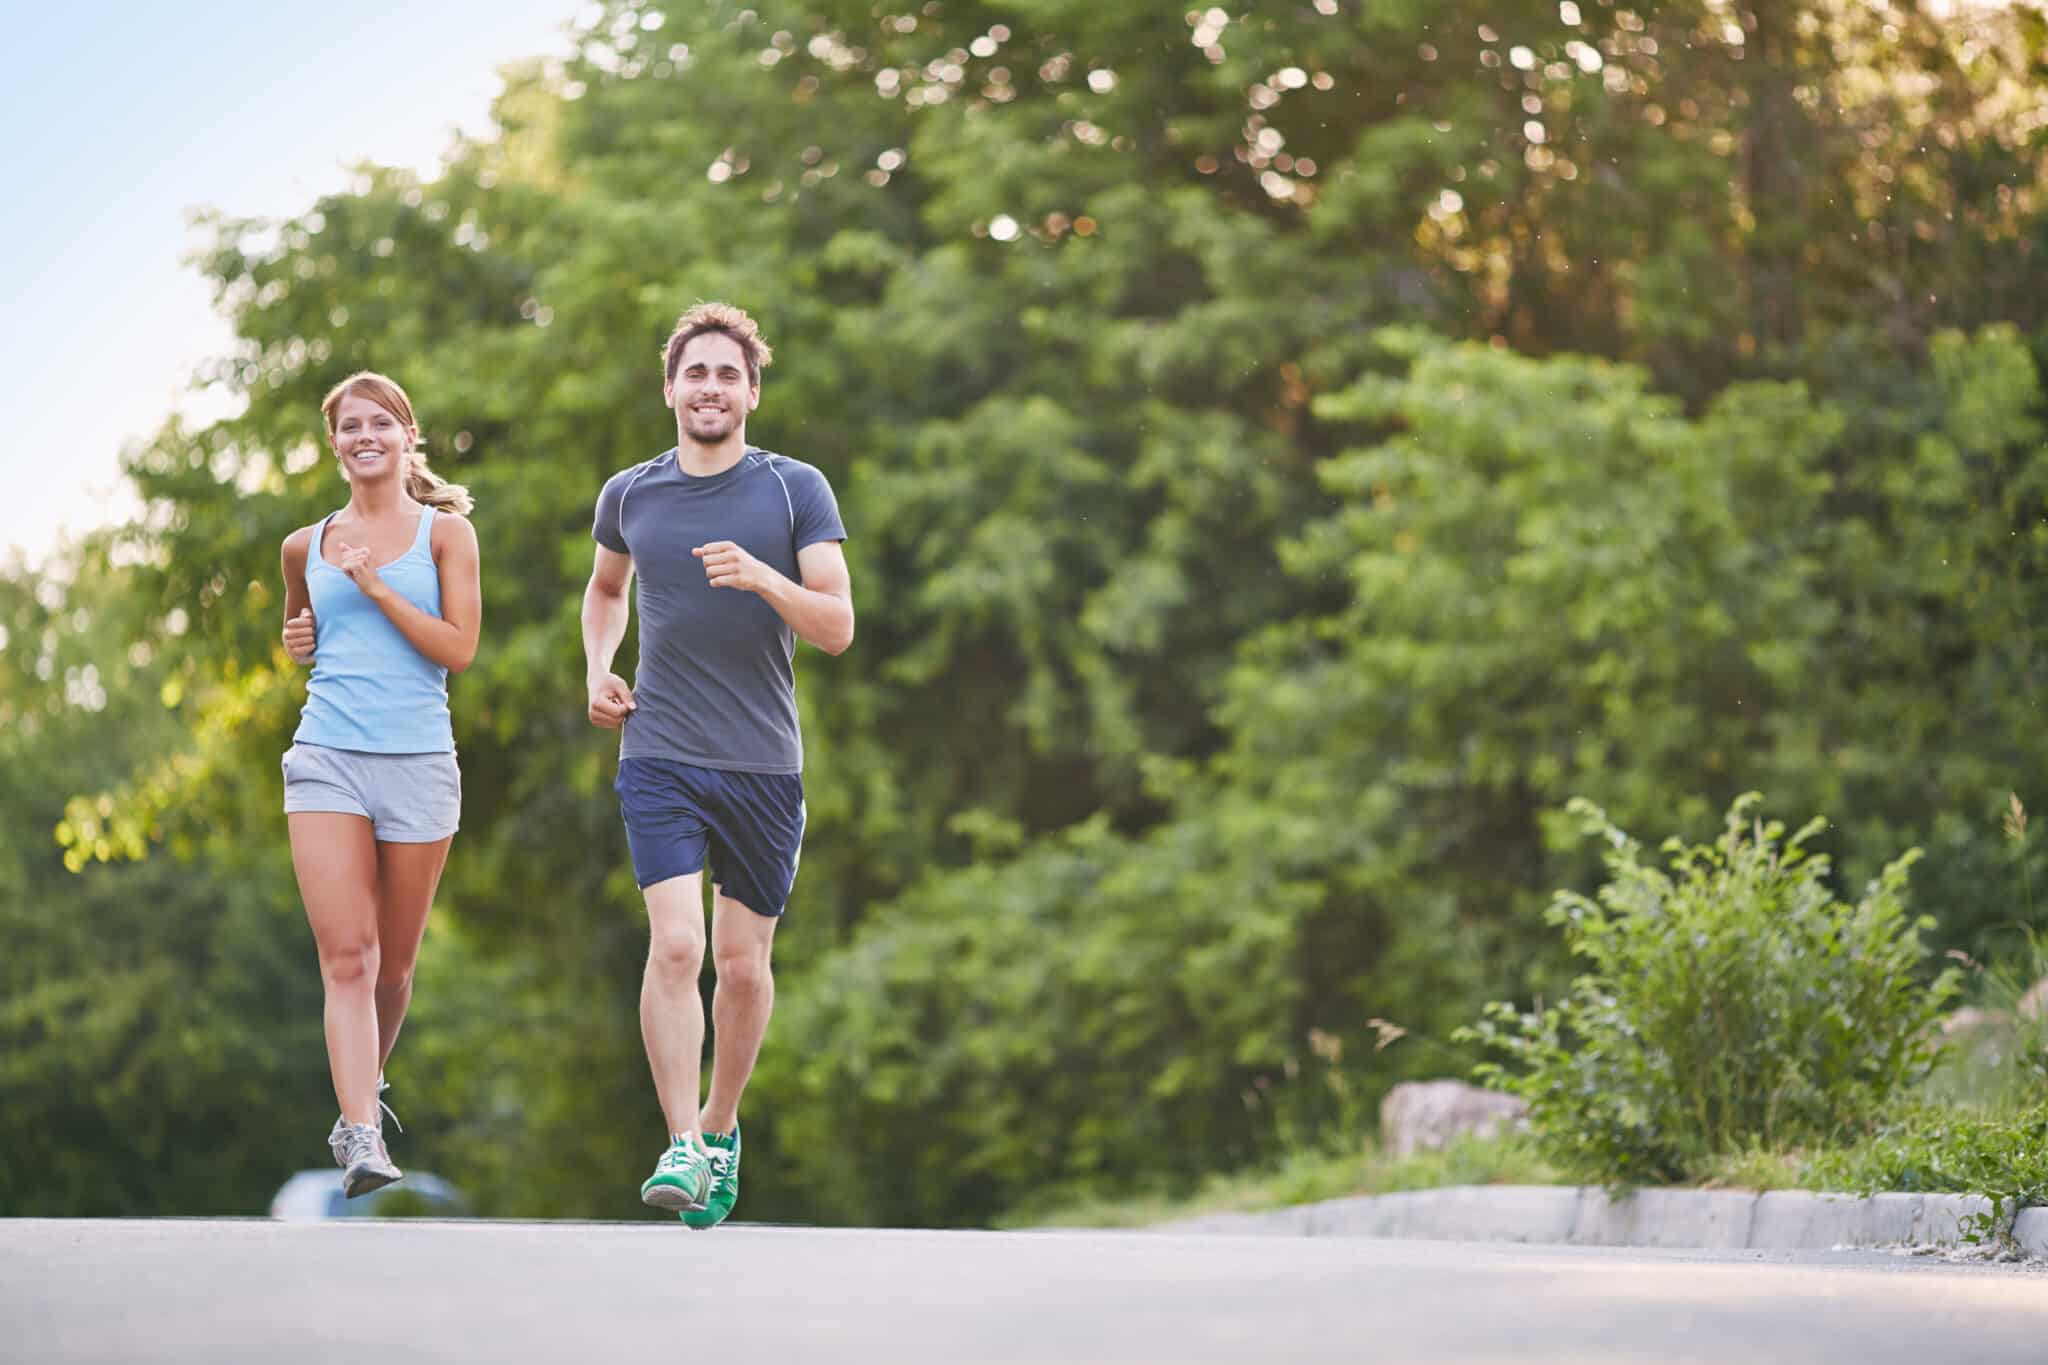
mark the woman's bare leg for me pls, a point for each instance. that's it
(407, 875)
(335, 857)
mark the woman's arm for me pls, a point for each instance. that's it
(299, 627)
(450, 638)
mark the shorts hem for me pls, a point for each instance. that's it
(414, 837)
(315, 805)
(749, 908)
(669, 876)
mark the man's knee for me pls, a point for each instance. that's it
(676, 952)
(745, 972)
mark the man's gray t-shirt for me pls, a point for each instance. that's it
(715, 685)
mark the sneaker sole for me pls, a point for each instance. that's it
(366, 1182)
(669, 1199)
(712, 1222)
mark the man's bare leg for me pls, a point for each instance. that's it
(671, 1010)
(740, 1006)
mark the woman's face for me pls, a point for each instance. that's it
(369, 441)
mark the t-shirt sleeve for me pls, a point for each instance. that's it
(812, 506)
(605, 528)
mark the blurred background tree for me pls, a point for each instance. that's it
(1288, 453)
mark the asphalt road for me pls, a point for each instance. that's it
(387, 1293)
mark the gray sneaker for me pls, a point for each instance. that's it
(369, 1165)
(337, 1136)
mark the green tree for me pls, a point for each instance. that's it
(1240, 650)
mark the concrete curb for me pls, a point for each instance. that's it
(1587, 1215)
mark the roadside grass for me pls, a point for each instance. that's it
(1977, 1124)
(1307, 1177)
(1929, 1147)
(1998, 1152)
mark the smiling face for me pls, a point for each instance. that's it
(369, 439)
(711, 392)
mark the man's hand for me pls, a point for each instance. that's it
(611, 701)
(728, 566)
(298, 636)
(355, 562)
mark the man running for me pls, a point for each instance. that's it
(738, 553)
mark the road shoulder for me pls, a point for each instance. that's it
(1588, 1215)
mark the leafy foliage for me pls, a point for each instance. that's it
(1287, 455)
(2001, 1154)
(1729, 1002)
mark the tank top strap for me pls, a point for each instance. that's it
(313, 552)
(424, 541)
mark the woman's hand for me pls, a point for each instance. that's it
(355, 562)
(299, 633)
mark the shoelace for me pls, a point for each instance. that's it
(362, 1142)
(337, 1139)
(676, 1161)
(721, 1161)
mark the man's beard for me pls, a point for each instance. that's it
(707, 437)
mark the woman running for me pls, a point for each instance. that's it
(382, 599)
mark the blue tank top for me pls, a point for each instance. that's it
(371, 691)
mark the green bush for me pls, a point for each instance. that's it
(1732, 1002)
(2001, 1154)
(1996, 1053)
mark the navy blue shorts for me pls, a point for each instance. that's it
(750, 824)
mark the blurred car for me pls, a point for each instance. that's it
(317, 1194)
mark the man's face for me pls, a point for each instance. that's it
(710, 392)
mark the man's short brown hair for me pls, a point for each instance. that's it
(716, 317)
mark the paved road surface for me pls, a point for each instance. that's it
(395, 1292)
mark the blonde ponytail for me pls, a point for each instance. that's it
(424, 485)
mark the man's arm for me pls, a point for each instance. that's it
(819, 609)
(606, 610)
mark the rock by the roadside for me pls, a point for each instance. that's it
(1425, 1115)
(1968, 1019)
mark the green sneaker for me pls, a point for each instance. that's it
(722, 1150)
(681, 1179)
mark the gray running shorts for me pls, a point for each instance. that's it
(407, 798)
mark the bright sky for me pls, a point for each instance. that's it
(117, 121)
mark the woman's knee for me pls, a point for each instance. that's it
(352, 963)
(394, 977)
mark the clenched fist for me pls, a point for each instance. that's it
(299, 633)
(611, 701)
(355, 562)
(729, 566)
